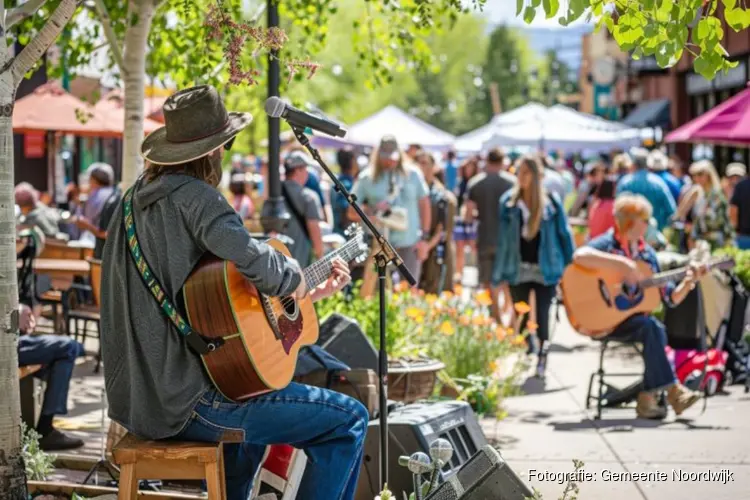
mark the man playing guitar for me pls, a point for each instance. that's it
(156, 385)
(617, 250)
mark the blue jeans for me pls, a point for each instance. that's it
(330, 427)
(651, 333)
(58, 355)
(743, 241)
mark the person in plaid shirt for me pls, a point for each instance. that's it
(618, 250)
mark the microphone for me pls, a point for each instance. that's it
(441, 452)
(418, 463)
(276, 108)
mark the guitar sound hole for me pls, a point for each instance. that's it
(290, 307)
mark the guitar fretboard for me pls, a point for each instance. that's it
(677, 275)
(319, 271)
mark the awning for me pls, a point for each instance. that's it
(648, 114)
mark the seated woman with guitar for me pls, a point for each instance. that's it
(166, 381)
(623, 253)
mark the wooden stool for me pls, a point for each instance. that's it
(140, 459)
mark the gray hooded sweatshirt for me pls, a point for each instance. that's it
(153, 379)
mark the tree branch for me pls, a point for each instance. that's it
(109, 34)
(42, 41)
(23, 11)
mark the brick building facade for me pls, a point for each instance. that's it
(689, 94)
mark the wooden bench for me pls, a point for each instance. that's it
(139, 459)
(26, 392)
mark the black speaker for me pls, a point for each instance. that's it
(343, 338)
(682, 322)
(412, 428)
(486, 476)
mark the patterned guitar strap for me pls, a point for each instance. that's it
(199, 343)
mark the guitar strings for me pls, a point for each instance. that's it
(315, 267)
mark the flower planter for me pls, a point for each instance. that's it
(410, 380)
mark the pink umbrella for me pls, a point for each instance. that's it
(728, 123)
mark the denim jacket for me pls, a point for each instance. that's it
(555, 242)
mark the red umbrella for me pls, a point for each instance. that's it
(727, 123)
(50, 108)
(114, 109)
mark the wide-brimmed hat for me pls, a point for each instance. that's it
(196, 123)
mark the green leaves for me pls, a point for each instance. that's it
(737, 18)
(551, 7)
(661, 28)
(529, 14)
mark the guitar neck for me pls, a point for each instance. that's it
(319, 271)
(661, 279)
(677, 275)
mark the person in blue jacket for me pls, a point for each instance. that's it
(534, 247)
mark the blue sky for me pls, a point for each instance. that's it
(504, 11)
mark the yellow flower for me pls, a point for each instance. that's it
(446, 295)
(430, 298)
(519, 340)
(484, 298)
(532, 326)
(419, 319)
(413, 312)
(446, 328)
(522, 307)
(492, 366)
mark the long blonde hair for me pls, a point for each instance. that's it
(706, 167)
(377, 165)
(537, 194)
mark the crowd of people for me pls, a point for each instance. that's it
(512, 217)
(508, 216)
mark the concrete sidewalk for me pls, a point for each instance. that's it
(549, 427)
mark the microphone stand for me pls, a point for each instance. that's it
(384, 256)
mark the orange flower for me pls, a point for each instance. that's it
(500, 333)
(492, 366)
(488, 336)
(420, 292)
(484, 298)
(401, 286)
(465, 320)
(478, 320)
(458, 290)
(532, 326)
(446, 328)
(446, 295)
(522, 307)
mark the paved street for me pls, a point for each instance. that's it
(548, 427)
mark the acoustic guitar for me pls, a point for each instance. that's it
(262, 335)
(596, 301)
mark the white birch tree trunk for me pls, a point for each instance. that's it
(12, 475)
(134, 71)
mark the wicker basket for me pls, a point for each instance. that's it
(410, 380)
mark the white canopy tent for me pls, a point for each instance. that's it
(554, 128)
(407, 129)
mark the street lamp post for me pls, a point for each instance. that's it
(274, 216)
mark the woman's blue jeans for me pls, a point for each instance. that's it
(330, 427)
